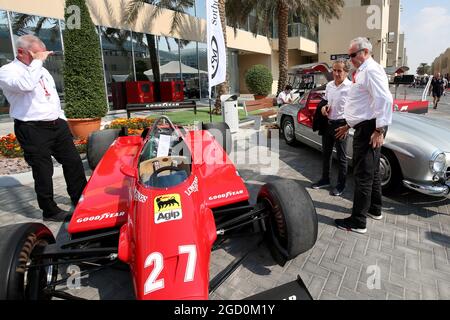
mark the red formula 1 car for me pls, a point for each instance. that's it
(158, 203)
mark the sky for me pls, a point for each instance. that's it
(427, 29)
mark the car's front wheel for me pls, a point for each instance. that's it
(390, 172)
(291, 223)
(288, 131)
(18, 245)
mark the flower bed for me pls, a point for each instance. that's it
(134, 125)
(9, 147)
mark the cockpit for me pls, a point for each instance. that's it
(165, 160)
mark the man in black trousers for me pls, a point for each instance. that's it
(369, 112)
(336, 94)
(40, 125)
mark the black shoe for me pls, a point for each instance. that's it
(322, 183)
(349, 224)
(57, 217)
(375, 216)
(337, 191)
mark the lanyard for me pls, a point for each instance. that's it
(47, 94)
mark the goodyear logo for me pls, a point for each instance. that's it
(167, 208)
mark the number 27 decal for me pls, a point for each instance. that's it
(156, 260)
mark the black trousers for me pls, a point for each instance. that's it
(366, 171)
(328, 142)
(40, 141)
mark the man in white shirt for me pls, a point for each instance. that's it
(39, 124)
(336, 94)
(285, 96)
(369, 111)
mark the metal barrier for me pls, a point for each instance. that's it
(159, 106)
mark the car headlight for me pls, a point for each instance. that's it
(437, 163)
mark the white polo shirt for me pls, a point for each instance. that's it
(369, 97)
(283, 97)
(337, 98)
(31, 92)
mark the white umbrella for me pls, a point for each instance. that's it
(174, 68)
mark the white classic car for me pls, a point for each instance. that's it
(416, 152)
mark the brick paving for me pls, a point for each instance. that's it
(410, 246)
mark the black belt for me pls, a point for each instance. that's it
(363, 123)
(38, 123)
(336, 121)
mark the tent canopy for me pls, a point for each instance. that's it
(174, 68)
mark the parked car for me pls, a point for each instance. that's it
(158, 203)
(416, 152)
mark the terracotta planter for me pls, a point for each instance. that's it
(259, 97)
(81, 128)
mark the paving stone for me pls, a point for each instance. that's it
(412, 295)
(429, 292)
(315, 287)
(405, 283)
(375, 293)
(412, 262)
(347, 294)
(331, 252)
(443, 289)
(350, 279)
(329, 296)
(316, 269)
(333, 283)
(332, 266)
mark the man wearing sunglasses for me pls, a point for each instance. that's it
(369, 111)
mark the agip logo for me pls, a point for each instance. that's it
(167, 208)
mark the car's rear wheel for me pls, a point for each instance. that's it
(18, 243)
(390, 172)
(221, 132)
(98, 143)
(291, 225)
(288, 131)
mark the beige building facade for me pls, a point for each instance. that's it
(441, 64)
(377, 20)
(374, 19)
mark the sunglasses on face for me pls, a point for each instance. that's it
(354, 54)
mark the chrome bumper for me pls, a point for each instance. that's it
(442, 190)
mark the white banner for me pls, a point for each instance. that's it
(217, 57)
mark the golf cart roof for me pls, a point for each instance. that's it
(396, 70)
(312, 68)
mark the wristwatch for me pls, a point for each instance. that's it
(380, 130)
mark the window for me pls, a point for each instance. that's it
(189, 69)
(169, 59)
(117, 50)
(6, 54)
(203, 67)
(365, 2)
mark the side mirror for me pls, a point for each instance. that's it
(128, 171)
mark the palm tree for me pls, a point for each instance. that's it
(178, 7)
(424, 68)
(266, 11)
(22, 21)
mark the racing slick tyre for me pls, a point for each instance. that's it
(221, 131)
(98, 143)
(390, 172)
(288, 131)
(291, 226)
(18, 243)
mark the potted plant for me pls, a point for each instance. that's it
(259, 81)
(83, 75)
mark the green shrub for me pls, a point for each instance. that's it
(84, 86)
(259, 80)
